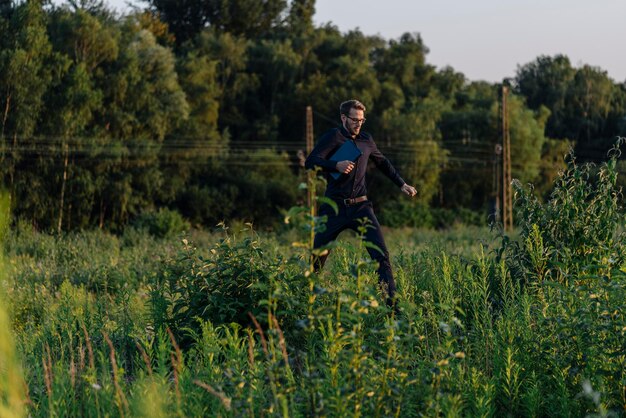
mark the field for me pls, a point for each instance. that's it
(232, 322)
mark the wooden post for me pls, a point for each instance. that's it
(497, 183)
(309, 148)
(63, 181)
(507, 193)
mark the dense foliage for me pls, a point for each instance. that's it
(236, 324)
(198, 106)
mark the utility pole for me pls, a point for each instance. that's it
(497, 183)
(309, 148)
(66, 151)
(507, 193)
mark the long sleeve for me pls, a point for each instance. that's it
(384, 165)
(322, 150)
(353, 183)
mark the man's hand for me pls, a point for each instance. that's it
(410, 190)
(345, 166)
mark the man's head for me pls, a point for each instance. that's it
(352, 114)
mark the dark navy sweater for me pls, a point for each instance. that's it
(352, 184)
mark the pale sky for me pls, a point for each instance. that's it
(488, 39)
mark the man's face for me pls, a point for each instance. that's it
(353, 121)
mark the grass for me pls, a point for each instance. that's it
(234, 323)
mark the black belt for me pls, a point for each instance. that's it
(354, 200)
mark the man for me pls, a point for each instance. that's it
(349, 190)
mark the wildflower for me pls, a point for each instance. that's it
(96, 386)
(459, 354)
(589, 392)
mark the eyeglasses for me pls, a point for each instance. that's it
(355, 120)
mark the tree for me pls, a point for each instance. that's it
(448, 83)
(470, 132)
(252, 185)
(187, 148)
(545, 82)
(590, 98)
(411, 138)
(338, 70)
(145, 103)
(527, 139)
(553, 157)
(234, 82)
(275, 65)
(249, 18)
(25, 76)
(152, 23)
(75, 103)
(403, 62)
(300, 18)
(584, 103)
(185, 18)
(410, 107)
(96, 8)
(84, 37)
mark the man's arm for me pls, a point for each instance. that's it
(384, 165)
(319, 156)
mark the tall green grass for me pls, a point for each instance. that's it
(13, 399)
(236, 323)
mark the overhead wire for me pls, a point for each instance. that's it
(462, 153)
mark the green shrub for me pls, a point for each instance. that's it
(446, 218)
(571, 257)
(403, 212)
(237, 276)
(577, 227)
(252, 186)
(534, 329)
(410, 213)
(163, 223)
(98, 260)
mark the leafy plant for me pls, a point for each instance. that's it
(577, 227)
(163, 223)
(237, 276)
(571, 255)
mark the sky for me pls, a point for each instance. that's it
(488, 39)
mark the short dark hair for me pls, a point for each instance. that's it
(344, 108)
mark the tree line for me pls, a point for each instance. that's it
(198, 106)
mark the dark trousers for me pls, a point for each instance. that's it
(348, 217)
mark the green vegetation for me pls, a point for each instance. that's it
(123, 139)
(199, 107)
(234, 323)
